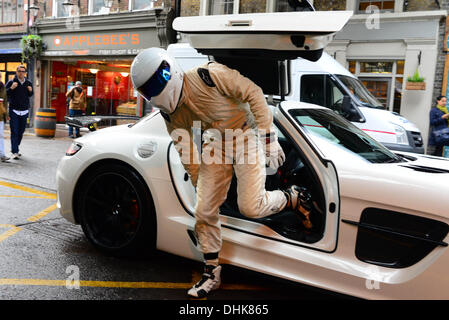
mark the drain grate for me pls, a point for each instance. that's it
(58, 229)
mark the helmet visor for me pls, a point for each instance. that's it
(157, 82)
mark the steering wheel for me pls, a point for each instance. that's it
(293, 165)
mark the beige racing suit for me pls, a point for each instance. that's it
(216, 95)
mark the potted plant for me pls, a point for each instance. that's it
(415, 82)
(31, 46)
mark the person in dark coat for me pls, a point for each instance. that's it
(439, 119)
(19, 91)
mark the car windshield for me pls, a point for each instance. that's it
(360, 92)
(324, 124)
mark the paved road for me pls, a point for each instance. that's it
(43, 256)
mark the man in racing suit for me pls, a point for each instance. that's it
(225, 105)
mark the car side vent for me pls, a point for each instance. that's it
(425, 169)
(396, 240)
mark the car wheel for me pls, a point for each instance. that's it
(116, 211)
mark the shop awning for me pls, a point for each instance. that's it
(10, 51)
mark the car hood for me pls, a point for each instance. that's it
(419, 185)
(391, 117)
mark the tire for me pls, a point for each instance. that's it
(116, 211)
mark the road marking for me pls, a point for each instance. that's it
(117, 284)
(7, 234)
(43, 213)
(26, 197)
(28, 189)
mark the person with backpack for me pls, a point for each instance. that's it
(77, 105)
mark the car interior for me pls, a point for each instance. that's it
(294, 171)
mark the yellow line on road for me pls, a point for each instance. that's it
(115, 284)
(13, 230)
(43, 213)
(27, 189)
(25, 197)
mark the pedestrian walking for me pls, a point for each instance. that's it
(19, 90)
(77, 105)
(3, 119)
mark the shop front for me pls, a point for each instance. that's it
(99, 54)
(10, 56)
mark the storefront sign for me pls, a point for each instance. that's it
(105, 43)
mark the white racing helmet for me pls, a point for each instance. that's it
(158, 77)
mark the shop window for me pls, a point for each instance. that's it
(400, 67)
(8, 70)
(12, 11)
(384, 79)
(382, 5)
(107, 85)
(352, 66)
(252, 6)
(221, 7)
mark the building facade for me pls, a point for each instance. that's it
(95, 42)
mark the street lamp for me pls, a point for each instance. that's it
(33, 10)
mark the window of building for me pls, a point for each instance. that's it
(221, 7)
(60, 10)
(252, 6)
(12, 11)
(382, 5)
(98, 7)
(141, 4)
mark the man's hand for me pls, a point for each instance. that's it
(14, 85)
(30, 88)
(275, 156)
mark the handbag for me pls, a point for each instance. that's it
(441, 137)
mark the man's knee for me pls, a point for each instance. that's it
(249, 209)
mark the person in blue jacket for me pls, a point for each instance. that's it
(439, 119)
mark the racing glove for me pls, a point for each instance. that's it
(274, 154)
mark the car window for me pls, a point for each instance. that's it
(313, 89)
(323, 124)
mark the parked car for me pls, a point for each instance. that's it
(380, 222)
(327, 83)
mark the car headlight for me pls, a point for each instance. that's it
(401, 134)
(74, 148)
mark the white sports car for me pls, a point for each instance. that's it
(380, 223)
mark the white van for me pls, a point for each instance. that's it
(327, 83)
